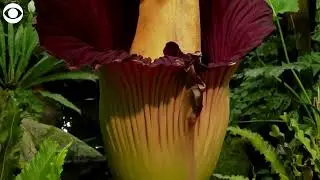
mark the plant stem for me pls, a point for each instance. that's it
(288, 61)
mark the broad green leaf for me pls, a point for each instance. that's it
(73, 75)
(283, 6)
(60, 99)
(264, 148)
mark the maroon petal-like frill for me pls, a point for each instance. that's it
(157, 120)
(86, 32)
(232, 28)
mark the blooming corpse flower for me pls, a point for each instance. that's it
(164, 106)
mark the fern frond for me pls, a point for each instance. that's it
(264, 148)
(47, 164)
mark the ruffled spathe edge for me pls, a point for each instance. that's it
(99, 31)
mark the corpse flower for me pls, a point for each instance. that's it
(165, 66)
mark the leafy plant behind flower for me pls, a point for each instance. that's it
(270, 88)
(47, 164)
(18, 69)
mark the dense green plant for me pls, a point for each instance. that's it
(275, 81)
(47, 163)
(270, 83)
(10, 135)
(21, 68)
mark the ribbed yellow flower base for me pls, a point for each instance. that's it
(143, 113)
(211, 128)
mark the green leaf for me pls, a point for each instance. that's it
(47, 164)
(73, 75)
(45, 65)
(276, 71)
(61, 157)
(300, 135)
(264, 148)
(11, 51)
(29, 103)
(3, 136)
(283, 6)
(253, 73)
(219, 176)
(29, 42)
(3, 63)
(17, 43)
(275, 132)
(60, 99)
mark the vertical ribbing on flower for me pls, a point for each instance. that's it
(212, 125)
(143, 119)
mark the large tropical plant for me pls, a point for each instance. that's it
(163, 112)
(21, 68)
